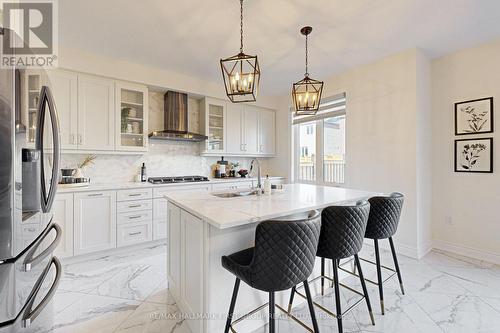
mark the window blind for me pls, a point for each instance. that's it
(329, 107)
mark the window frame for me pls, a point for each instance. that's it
(319, 153)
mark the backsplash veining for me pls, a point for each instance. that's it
(164, 158)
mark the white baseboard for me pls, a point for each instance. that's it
(406, 250)
(467, 251)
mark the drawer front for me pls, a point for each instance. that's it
(133, 217)
(160, 210)
(232, 186)
(161, 191)
(133, 206)
(134, 233)
(137, 194)
(160, 229)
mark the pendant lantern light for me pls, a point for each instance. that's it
(241, 72)
(306, 93)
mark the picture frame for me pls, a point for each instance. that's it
(474, 116)
(474, 155)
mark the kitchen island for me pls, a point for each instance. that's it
(202, 227)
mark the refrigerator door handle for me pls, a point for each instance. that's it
(31, 262)
(47, 99)
(31, 314)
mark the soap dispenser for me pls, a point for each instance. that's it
(267, 186)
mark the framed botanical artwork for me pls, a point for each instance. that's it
(474, 155)
(474, 117)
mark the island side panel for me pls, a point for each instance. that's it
(187, 265)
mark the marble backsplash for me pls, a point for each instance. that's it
(163, 159)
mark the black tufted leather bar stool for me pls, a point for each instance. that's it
(283, 256)
(382, 224)
(342, 232)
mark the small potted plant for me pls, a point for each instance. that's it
(89, 160)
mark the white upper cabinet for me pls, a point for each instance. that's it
(131, 119)
(250, 130)
(246, 130)
(64, 86)
(235, 129)
(213, 125)
(267, 132)
(96, 113)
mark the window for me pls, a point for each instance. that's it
(321, 139)
(307, 159)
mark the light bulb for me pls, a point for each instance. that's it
(237, 76)
(250, 78)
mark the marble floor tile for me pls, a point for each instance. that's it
(135, 281)
(127, 292)
(154, 318)
(462, 313)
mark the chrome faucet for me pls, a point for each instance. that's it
(259, 178)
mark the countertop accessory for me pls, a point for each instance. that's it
(243, 173)
(67, 172)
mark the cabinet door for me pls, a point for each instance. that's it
(131, 122)
(214, 122)
(96, 113)
(174, 250)
(234, 129)
(95, 221)
(250, 129)
(267, 132)
(63, 216)
(192, 291)
(65, 89)
(160, 218)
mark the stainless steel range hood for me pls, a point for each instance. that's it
(176, 120)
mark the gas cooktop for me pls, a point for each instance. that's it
(172, 180)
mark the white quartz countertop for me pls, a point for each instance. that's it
(135, 185)
(294, 198)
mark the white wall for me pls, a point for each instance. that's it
(466, 207)
(387, 137)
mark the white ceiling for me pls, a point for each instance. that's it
(190, 36)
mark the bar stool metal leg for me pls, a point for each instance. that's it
(290, 302)
(379, 276)
(311, 307)
(363, 285)
(396, 264)
(272, 327)
(231, 306)
(337, 296)
(322, 276)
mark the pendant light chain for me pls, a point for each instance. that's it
(241, 26)
(307, 69)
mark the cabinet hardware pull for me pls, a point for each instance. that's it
(134, 233)
(31, 229)
(134, 206)
(73, 141)
(135, 194)
(80, 139)
(95, 195)
(135, 217)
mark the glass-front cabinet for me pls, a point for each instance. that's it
(214, 125)
(31, 81)
(132, 117)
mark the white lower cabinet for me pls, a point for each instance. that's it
(95, 221)
(63, 216)
(134, 233)
(160, 218)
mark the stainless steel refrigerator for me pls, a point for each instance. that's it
(29, 164)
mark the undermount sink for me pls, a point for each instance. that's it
(235, 194)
